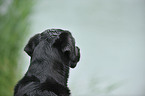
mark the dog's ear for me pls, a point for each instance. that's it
(75, 59)
(33, 42)
(67, 45)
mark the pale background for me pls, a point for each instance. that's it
(111, 36)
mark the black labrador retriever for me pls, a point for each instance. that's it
(52, 53)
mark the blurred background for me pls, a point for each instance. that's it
(110, 34)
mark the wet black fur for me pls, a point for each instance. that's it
(52, 53)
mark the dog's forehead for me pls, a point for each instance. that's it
(52, 32)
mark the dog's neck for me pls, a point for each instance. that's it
(49, 66)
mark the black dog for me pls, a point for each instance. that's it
(52, 53)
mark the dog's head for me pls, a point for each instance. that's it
(61, 40)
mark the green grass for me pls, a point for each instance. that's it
(14, 27)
